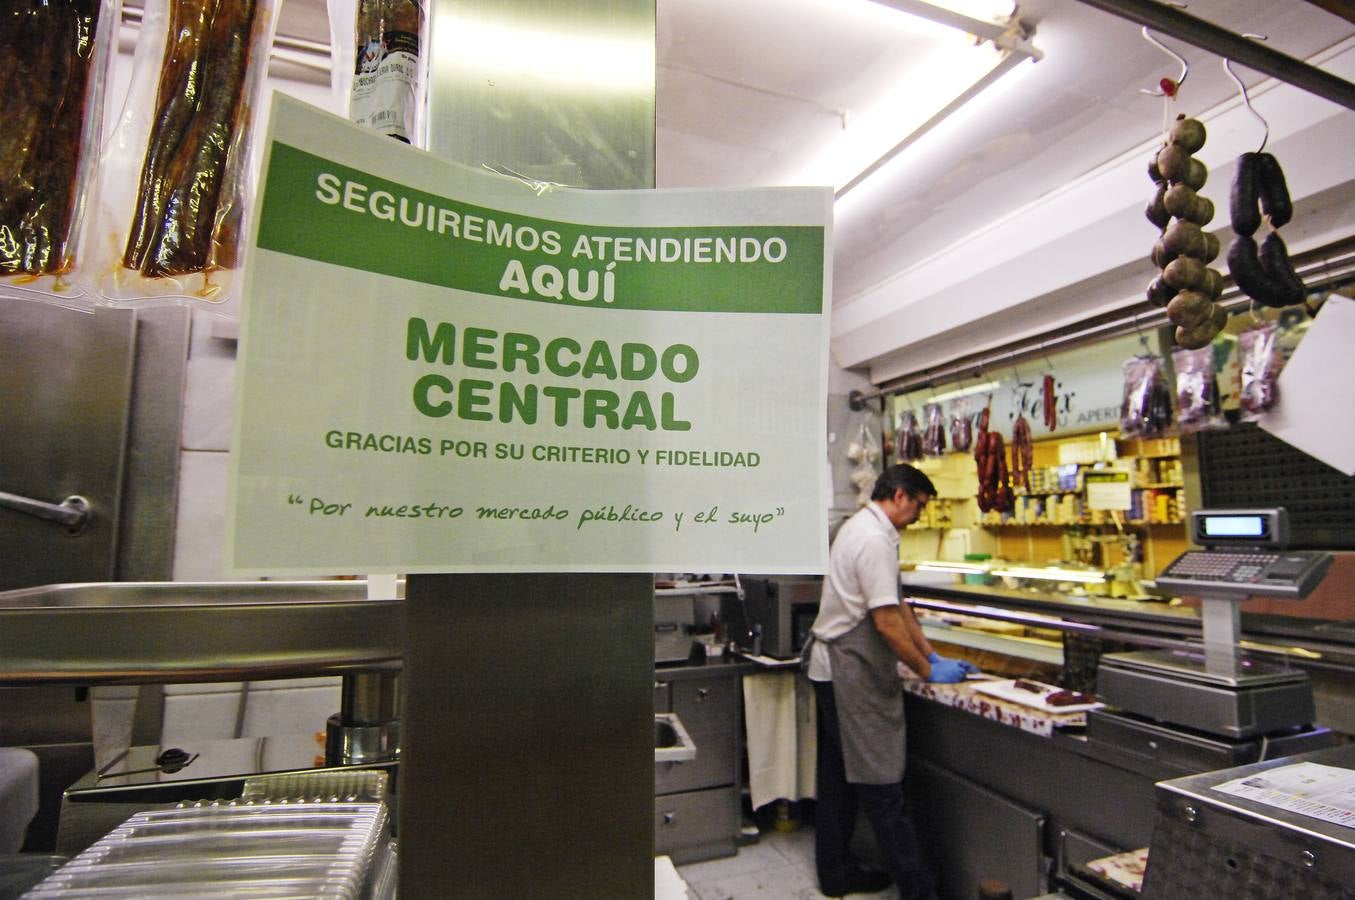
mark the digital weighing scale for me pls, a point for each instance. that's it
(1217, 691)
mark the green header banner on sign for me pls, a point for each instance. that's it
(442, 370)
(321, 210)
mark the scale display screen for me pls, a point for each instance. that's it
(1233, 526)
(1240, 527)
(1244, 556)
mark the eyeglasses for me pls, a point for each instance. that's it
(920, 501)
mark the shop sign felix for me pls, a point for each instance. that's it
(442, 370)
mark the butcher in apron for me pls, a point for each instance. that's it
(861, 633)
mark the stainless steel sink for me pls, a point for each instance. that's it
(672, 743)
(147, 632)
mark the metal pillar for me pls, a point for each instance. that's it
(527, 765)
(527, 731)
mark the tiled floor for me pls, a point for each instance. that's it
(780, 866)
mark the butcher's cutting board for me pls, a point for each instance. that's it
(1005, 689)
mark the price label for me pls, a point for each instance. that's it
(1107, 488)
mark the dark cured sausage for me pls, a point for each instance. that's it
(1242, 207)
(181, 210)
(176, 100)
(1049, 400)
(1272, 191)
(185, 241)
(1275, 263)
(1245, 267)
(48, 49)
(1023, 452)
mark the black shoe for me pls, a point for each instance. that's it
(858, 881)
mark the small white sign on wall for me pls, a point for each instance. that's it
(1107, 488)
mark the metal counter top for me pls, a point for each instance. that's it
(1301, 641)
(723, 666)
(149, 632)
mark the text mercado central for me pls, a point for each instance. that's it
(437, 396)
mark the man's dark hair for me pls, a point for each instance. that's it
(902, 477)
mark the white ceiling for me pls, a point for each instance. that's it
(747, 89)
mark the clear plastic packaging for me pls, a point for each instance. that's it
(214, 850)
(1198, 401)
(1146, 411)
(383, 65)
(176, 172)
(1261, 363)
(908, 438)
(934, 436)
(54, 83)
(961, 426)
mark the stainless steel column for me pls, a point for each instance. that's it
(527, 768)
(527, 757)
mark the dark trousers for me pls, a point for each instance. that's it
(836, 806)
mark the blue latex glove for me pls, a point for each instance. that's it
(965, 665)
(946, 671)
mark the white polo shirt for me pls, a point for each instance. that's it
(863, 574)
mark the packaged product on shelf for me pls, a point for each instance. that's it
(1147, 407)
(1261, 364)
(961, 426)
(934, 437)
(908, 438)
(176, 174)
(385, 77)
(54, 83)
(1197, 390)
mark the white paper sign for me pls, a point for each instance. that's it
(1107, 488)
(1323, 792)
(441, 371)
(1316, 387)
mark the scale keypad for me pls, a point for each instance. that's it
(1239, 567)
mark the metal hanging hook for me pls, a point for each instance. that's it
(1167, 87)
(1246, 100)
(1047, 361)
(1143, 338)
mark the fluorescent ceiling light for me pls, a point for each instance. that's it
(957, 568)
(952, 71)
(949, 67)
(986, 387)
(1053, 573)
(992, 10)
(499, 51)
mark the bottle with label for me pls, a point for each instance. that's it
(388, 74)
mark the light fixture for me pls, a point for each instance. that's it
(986, 387)
(979, 44)
(1052, 573)
(954, 568)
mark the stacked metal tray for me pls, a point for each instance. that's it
(305, 849)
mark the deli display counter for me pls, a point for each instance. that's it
(1064, 788)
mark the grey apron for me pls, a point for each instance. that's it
(869, 697)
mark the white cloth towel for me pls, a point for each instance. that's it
(779, 721)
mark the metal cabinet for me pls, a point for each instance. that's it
(708, 708)
(696, 803)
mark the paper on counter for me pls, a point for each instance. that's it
(1316, 388)
(1323, 792)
